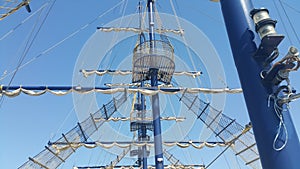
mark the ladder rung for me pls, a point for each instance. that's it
(80, 128)
(91, 115)
(38, 163)
(64, 136)
(247, 148)
(225, 128)
(220, 112)
(54, 154)
(203, 111)
(252, 161)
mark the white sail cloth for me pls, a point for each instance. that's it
(145, 91)
(116, 119)
(87, 73)
(60, 148)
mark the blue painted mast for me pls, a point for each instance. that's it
(143, 129)
(244, 42)
(155, 98)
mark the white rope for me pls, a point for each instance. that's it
(183, 37)
(279, 110)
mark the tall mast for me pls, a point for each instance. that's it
(155, 98)
(150, 5)
(244, 42)
(143, 129)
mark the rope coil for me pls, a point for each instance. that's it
(282, 129)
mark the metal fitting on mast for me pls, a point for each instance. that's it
(281, 69)
(265, 27)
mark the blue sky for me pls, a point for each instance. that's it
(28, 123)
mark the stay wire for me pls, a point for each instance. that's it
(236, 159)
(63, 123)
(289, 20)
(186, 43)
(62, 41)
(24, 21)
(224, 155)
(177, 6)
(71, 35)
(187, 154)
(219, 155)
(281, 19)
(27, 48)
(28, 45)
(90, 105)
(115, 36)
(226, 160)
(183, 37)
(291, 7)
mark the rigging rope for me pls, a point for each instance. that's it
(229, 145)
(64, 121)
(279, 110)
(24, 21)
(183, 37)
(170, 157)
(284, 26)
(29, 43)
(50, 158)
(225, 128)
(279, 113)
(115, 37)
(291, 7)
(63, 40)
(187, 154)
(288, 18)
